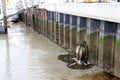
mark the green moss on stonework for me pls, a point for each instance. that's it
(67, 27)
(82, 34)
(74, 30)
(94, 34)
(82, 31)
(118, 43)
(101, 40)
(109, 37)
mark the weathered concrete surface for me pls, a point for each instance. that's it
(27, 55)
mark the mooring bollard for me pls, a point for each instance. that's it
(81, 54)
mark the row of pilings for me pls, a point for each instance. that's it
(103, 37)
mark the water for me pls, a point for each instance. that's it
(27, 55)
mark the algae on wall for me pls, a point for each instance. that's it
(61, 36)
(67, 36)
(93, 47)
(73, 33)
(93, 39)
(73, 39)
(66, 31)
(117, 52)
(61, 28)
(107, 45)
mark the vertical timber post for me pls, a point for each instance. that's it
(64, 30)
(49, 24)
(73, 32)
(78, 29)
(56, 27)
(67, 31)
(82, 27)
(4, 16)
(39, 23)
(101, 45)
(92, 39)
(61, 28)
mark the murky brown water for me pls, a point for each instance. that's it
(27, 55)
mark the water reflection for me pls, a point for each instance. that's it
(8, 63)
